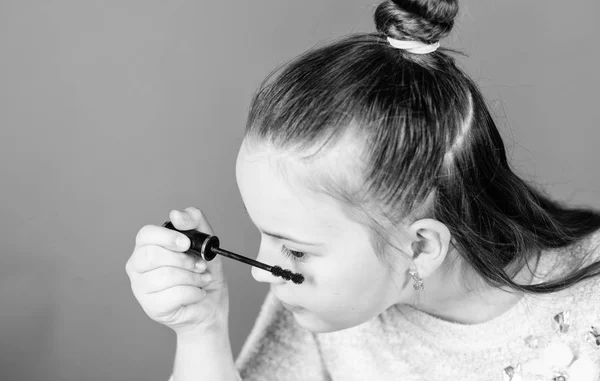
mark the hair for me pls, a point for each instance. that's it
(429, 144)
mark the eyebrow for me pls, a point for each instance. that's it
(275, 235)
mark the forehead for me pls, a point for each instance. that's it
(269, 177)
(273, 186)
(340, 162)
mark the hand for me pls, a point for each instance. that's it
(171, 286)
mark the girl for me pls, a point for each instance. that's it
(373, 167)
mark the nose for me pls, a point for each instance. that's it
(264, 276)
(264, 256)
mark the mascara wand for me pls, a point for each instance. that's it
(207, 247)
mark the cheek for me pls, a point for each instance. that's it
(343, 302)
(352, 281)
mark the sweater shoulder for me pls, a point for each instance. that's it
(270, 324)
(279, 348)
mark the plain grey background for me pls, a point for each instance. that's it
(113, 113)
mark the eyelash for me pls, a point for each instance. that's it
(290, 254)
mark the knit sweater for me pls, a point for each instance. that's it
(542, 337)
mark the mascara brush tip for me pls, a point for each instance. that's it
(287, 274)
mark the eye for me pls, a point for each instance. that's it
(295, 255)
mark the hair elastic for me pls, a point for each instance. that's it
(415, 47)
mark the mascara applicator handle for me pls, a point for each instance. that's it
(201, 243)
(207, 247)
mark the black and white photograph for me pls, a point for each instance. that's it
(300, 190)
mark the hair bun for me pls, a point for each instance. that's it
(427, 21)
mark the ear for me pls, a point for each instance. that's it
(430, 243)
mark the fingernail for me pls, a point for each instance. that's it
(207, 278)
(201, 265)
(183, 241)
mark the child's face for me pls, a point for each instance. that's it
(345, 284)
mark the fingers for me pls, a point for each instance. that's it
(167, 238)
(182, 220)
(191, 218)
(167, 277)
(151, 257)
(166, 302)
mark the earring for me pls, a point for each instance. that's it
(417, 281)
